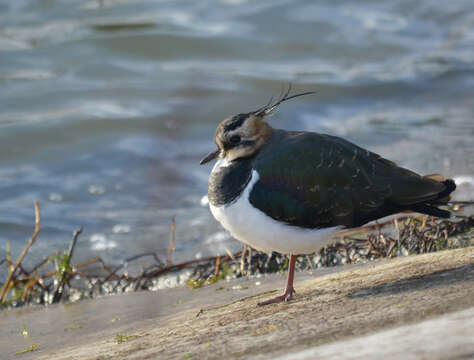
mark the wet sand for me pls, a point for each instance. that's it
(341, 306)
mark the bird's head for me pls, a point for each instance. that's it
(242, 135)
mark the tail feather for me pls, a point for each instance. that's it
(450, 187)
(436, 177)
(429, 208)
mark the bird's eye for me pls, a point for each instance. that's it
(234, 139)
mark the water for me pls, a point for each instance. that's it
(106, 107)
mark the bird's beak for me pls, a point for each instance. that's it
(210, 157)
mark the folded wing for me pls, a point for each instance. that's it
(314, 181)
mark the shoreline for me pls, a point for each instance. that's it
(57, 279)
(331, 305)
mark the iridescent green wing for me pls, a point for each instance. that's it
(314, 181)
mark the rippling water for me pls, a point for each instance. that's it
(107, 106)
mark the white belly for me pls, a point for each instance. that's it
(253, 227)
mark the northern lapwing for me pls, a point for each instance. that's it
(292, 191)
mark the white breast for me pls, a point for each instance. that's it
(253, 227)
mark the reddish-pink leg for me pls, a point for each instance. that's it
(289, 291)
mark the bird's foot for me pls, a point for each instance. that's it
(287, 296)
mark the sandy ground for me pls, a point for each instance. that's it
(449, 336)
(428, 297)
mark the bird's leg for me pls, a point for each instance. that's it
(242, 259)
(289, 290)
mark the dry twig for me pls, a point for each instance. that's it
(172, 240)
(6, 285)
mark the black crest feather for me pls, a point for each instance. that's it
(267, 109)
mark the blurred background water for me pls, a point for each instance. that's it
(107, 106)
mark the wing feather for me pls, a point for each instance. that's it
(314, 181)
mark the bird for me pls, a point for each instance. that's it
(292, 192)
